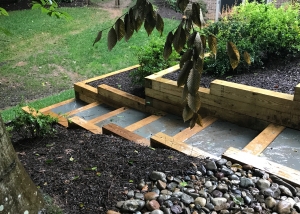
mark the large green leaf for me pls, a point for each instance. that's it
(138, 22)
(193, 82)
(98, 37)
(111, 39)
(182, 4)
(203, 39)
(185, 92)
(191, 39)
(198, 65)
(120, 29)
(212, 44)
(170, 37)
(149, 23)
(234, 55)
(179, 39)
(196, 119)
(159, 24)
(184, 73)
(187, 113)
(185, 57)
(167, 50)
(194, 101)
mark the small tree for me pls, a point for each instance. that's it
(186, 38)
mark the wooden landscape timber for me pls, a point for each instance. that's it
(223, 98)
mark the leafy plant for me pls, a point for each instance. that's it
(187, 38)
(151, 60)
(173, 4)
(3, 12)
(50, 8)
(30, 126)
(262, 30)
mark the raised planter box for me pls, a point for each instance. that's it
(244, 105)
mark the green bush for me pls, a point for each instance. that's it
(29, 126)
(151, 59)
(262, 30)
(173, 4)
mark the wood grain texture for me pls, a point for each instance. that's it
(86, 125)
(263, 140)
(108, 115)
(121, 132)
(163, 140)
(290, 175)
(142, 123)
(187, 133)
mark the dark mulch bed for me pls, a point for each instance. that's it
(62, 167)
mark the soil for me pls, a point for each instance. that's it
(87, 173)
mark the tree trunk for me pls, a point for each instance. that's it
(18, 194)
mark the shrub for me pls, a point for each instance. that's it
(262, 30)
(29, 126)
(173, 4)
(151, 59)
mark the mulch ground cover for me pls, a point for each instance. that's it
(87, 173)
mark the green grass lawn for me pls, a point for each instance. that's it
(45, 55)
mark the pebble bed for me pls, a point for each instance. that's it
(214, 187)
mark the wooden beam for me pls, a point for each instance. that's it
(108, 115)
(142, 123)
(86, 125)
(110, 74)
(121, 132)
(288, 174)
(86, 90)
(166, 97)
(60, 119)
(254, 96)
(166, 107)
(83, 108)
(109, 94)
(187, 133)
(297, 93)
(163, 72)
(262, 141)
(56, 105)
(163, 140)
(85, 98)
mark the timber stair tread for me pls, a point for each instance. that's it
(165, 130)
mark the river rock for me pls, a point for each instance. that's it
(155, 175)
(217, 194)
(283, 207)
(292, 201)
(270, 202)
(150, 196)
(211, 165)
(187, 199)
(286, 191)
(112, 212)
(133, 205)
(200, 201)
(263, 184)
(221, 162)
(222, 187)
(297, 207)
(218, 201)
(152, 205)
(246, 182)
(161, 185)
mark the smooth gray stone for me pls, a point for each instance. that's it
(270, 202)
(130, 194)
(168, 203)
(209, 206)
(297, 206)
(200, 201)
(133, 205)
(285, 191)
(233, 177)
(275, 179)
(155, 175)
(226, 171)
(187, 199)
(268, 192)
(222, 187)
(221, 162)
(166, 210)
(263, 184)
(283, 207)
(211, 165)
(246, 182)
(172, 186)
(218, 201)
(157, 212)
(139, 195)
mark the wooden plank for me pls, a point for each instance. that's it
(297, 93)
(56, 105)
(166, 97)
(142, 123)
(290, 175)
(110, 74)
(262, 141)
(86, 90)
(187, 133)
(107, 115)
(163, 140)
(109, 94)
(85, 98)
(121, 132)
(61, 119)
(163, 72)
(86, 125)
(83, 108)
(166, 107)
(255, 96)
